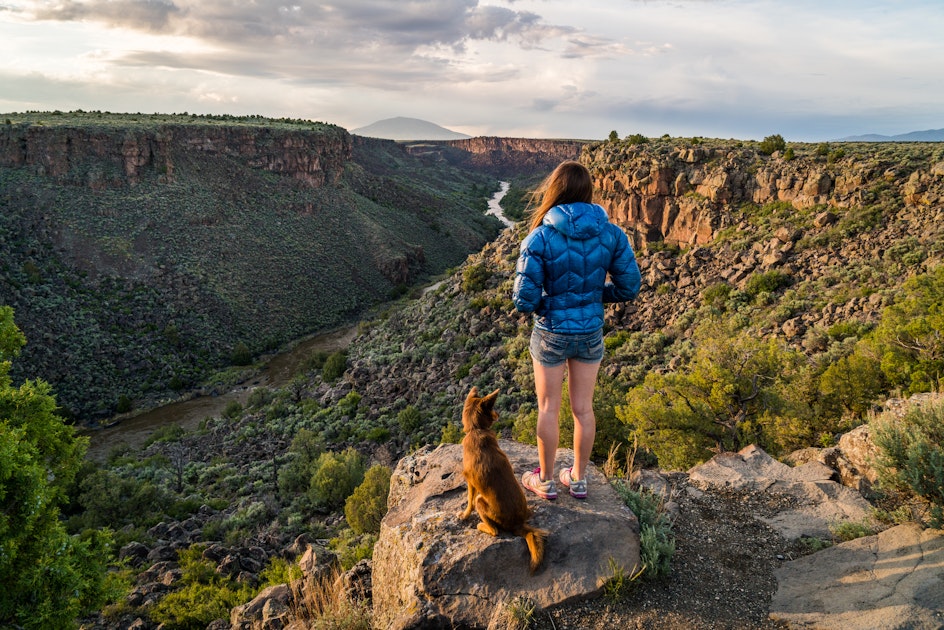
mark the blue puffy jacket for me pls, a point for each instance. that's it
(562, 269)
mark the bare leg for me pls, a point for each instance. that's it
(581, 382)
(548, 385)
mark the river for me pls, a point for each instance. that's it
(277, 372)
(188, 413)
(494, 204)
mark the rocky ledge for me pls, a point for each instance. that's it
(431, 570)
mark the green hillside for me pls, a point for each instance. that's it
(134, 286)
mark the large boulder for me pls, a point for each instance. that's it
(892, 580)
(271, 609)
(817, 502)
(861, 452)
(431, 570)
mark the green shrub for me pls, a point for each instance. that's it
(736, 390)
(850, 530)
(334, 478)
(280, 571)
(365, 508)
(475, 277)
(123, 405)
(352, 548)
(909, 339)
(315, 362)
(773, 143)
(232, 410)
(637, 138)
(260, 397)
(911, 454)
(334, 366)
(205, 597)
(378, 435)
(843, 330)
(812, 544)
(409, 419)
(241, 354)
(166, 433)
(716, 294)
(451, 434)
(656, 542)
(306, 448)
(835, 156)
(855, 382)
(109, 500)
(766, 282)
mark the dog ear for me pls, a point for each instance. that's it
(489, 401)
(473, 393)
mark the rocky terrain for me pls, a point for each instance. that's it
(740, 523)
(836, 257)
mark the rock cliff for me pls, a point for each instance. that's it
(512, 157)
(684, 195)
(107, 156)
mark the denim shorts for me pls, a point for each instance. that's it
(553, 349)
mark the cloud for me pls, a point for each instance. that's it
(354, 40)
(151, 15)
(746, 68)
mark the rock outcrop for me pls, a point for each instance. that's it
(683, 195)
(431, 570)
(818, 502)
(892, 580)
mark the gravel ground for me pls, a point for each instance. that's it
(721, 576)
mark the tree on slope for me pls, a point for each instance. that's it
(48, 577)
(909, 340)
(734, 392)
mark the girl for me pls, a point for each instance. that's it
(561, 277)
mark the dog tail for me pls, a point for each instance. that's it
(535, 538)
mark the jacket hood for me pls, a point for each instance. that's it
(577, 220)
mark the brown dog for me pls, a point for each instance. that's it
(493, 487)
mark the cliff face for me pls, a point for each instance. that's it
(108, 157)
(683, 195)
(510, 157)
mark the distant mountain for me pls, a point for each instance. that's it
(401, 128)
(931, 135)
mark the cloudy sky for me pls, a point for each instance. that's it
(808, 70)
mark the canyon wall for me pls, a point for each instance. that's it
(511, 157)
(684, 194)
(107, 157)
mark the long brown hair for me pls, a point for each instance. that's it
(569, 183)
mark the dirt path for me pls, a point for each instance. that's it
(722, 572)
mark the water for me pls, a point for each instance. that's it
(188, 414)
(494, 204)
(495, 210)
